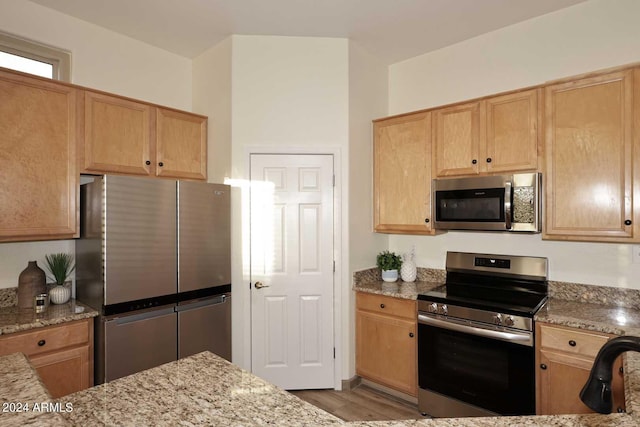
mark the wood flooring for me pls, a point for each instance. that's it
(360, 404)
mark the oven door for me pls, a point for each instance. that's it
(485, 370)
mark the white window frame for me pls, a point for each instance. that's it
(59, 59)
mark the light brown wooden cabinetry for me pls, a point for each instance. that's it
(38, 174)
(386, 341)
(124, 136)
(402, 174)
(61, 354)
(496, 134)
(564, 359)
(590, 152)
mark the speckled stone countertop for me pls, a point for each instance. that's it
(14, 319)
(370, 281)
(203, 390)
(21, 391)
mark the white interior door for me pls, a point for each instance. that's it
(292, 257)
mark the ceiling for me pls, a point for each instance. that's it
(393, 30)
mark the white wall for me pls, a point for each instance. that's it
(589, 36)
(368, 79)
(103, 60)
(286, 92)
(212, 97)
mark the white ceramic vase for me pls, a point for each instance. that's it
(389, 275)
(60, 294)
(408, 271)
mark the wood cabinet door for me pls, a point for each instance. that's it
(117, 135)
(561, 377)
(588, 150)
(64, 372)
(38, 173)
(402, 174)
(456, 137)
(181, 145)
(386, 351)
(512, 132)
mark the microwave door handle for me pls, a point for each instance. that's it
(507, 204)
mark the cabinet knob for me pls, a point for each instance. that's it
(426, 220)
(543, 366)
(621, 370)
(41, 343)
(621, 410)
(474, 161)
(410, 334)
(148, 162)
(627, 222)
(381, 305)
(488, 159)
(572, 343)
(161, 164)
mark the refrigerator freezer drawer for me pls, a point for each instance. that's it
(139, 341)
(205, 325)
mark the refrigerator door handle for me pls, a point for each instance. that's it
(142, 316)
(220, 299)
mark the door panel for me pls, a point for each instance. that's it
(292, 255)
(204, 252)
(205, 327)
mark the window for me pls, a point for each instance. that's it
(33, 58)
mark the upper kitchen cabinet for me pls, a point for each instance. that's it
(496, 134)
(124, 136)
(589, 150)
(117, 135)
(402, 174)
(39, 179)
(181, 144)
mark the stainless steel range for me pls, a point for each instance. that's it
(475, 336)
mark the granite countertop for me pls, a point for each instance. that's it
(21, 390)
(14, 319)
(204, 390)
(399, 289)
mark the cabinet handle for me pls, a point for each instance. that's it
(410, 334)
(488, 159)
(381, 305)
(572, 343)
(627, 222)
(474, 161)
(161, 164)
(543, 366)
(41, 343)
(426, 220)
(148, 162)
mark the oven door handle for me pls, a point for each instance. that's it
(521, 338)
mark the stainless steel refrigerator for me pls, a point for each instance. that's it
(154, 258)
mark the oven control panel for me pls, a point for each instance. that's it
(475, 315)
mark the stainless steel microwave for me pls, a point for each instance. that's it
(492, 203)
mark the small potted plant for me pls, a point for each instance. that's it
(60, 266)
(389, 263)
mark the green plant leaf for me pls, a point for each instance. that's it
(60, 265)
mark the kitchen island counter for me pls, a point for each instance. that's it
(204, 390)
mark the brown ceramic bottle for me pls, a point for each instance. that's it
(31, 282)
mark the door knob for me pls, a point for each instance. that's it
(260, 285)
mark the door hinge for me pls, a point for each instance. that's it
(334, 266)
(334, 180)
(334, 352)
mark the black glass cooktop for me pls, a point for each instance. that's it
(519, 297)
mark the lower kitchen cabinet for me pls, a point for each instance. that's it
(386, 341)
(564, 359)
(61, 354)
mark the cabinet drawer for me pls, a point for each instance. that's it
(571, 341)
(46, 339)
(386, 305)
